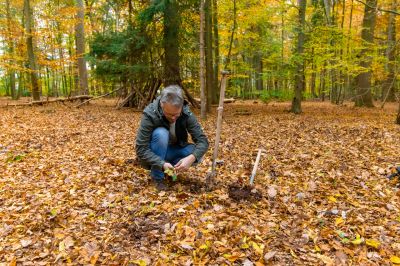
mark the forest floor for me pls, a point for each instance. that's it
(70, 191)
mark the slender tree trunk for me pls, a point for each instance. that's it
(388, 86)
(364, 95)
(258, 69)
(209, 50)
(11, 71)
(300, 82)
(31, 54)
(228, 58)
(282, 61)
(64, 82)
(80, 48)
(130, 11)
(313, 76)
(398, 116)
(215, 96)
(171, 43)
(203, 97)
(348, 79)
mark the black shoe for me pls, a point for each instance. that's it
(160, 185)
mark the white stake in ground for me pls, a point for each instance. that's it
(253, 174)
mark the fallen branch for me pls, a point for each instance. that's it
(228, 100)
(70, 99)
(97, 97)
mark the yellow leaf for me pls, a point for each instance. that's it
(327, 260)
(358, 240)
(373, 243)
(204, 246)
(61, 246)
(259, 238)
(332, 199)
(395, 259)
(339, 221)
(231, 258)
(317, 249)
(94, 258)
(293, 254)
(244, 246)
(257, 248)
(140, 262)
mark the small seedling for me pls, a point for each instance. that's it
(171, 172)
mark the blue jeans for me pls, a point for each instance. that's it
(159, 144)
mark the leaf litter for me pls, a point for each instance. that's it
(71, 191)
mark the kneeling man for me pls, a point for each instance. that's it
(162, 138)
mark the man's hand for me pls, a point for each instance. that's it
(167, 166)
(185, 163)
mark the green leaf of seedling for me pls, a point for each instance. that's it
(53, 213)
(15, 158)
(171, 172)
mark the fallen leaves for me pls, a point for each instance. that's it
(70, 192)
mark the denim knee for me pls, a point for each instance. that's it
(160, 136)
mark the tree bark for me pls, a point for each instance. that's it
(80, 48)
(31, 53)
(388, 88)
(348, 79)
(11, 71)
(203, 109)
(258, 69)
(398, 116)
(215, 95)
(171, 43)
(364, 95)
(300, 82)
(313, 76)
(209, 50)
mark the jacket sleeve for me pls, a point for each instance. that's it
(143, 138)
(198, 136)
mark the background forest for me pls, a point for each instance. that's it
(327, 49)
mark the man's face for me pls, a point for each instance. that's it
(171, 112)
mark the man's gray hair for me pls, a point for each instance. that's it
(173, 95)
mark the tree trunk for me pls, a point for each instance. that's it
(388, 86)
(398, 116)
(258, 69)
(31, 54)
(348, 87)
(228, 57)
(215, 95)
(203, 98)
(364, 95)
(300, 82)
(313, 80)
(11, 71)
(80, 48)
(209, 58)
(171, 43)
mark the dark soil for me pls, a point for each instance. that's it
(149, 228)
(192, 185)
(238, 193)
